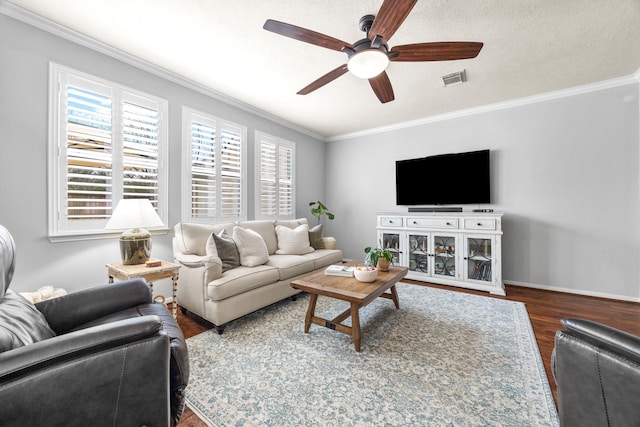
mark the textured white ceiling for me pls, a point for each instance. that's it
(530, 47)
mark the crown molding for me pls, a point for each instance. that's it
(74, 36)
(578, 90)
(49, 26)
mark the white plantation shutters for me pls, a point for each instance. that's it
(203, 170)
(275, 181)
(285, 181)
(231, 196)
(140, 152)
(214, 167)
(89, 160)
(268, 179)
(108, 144)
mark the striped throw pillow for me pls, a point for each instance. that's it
(251, 246)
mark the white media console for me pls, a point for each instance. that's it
(450, 248)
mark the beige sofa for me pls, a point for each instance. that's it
(214, 288)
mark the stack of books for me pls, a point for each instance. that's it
(340, 270)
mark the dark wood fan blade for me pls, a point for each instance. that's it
(381, 86)
(391, 15)
(327, 78)
(304, 35)
(436, 51)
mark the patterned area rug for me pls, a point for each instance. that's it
(444, 359)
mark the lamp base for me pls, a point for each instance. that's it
(135, 246)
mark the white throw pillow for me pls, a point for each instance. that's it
(293, 241)
(210, 247)
(251, 246)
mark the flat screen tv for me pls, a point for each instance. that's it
(445, 179)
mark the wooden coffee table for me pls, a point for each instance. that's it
(358, 294)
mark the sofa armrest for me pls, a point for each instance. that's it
(605, 337)
(112, 374)
(192, 260)
(325, 242)
(596, 370)
(77, 308)
(78, 343)
(211, 263)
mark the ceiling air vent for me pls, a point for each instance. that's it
(454, 78)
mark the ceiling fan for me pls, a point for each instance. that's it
(368, 58)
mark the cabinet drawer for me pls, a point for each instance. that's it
(480, 224)
(432, 222)
(391, 221)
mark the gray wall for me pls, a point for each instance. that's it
(565, 173)
(25, 53)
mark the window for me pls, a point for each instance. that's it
(275, 186)
(107, 142)
(214, 168)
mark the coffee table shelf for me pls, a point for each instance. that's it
(358, 294)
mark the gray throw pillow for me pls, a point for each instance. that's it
(21, 323)
(315, 237)
(227, 250)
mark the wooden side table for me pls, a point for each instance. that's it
(150, 274)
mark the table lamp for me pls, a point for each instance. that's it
(133, 215)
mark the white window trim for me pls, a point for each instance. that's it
(56, 132)
(188, 114)
(259, 136)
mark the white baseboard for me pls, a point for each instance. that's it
(574, 291)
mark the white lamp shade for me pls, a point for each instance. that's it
(368, 63)
(134, 213)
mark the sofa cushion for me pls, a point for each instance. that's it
(191, 238)
(21, 323)
(227, 250)
(315, 237)
(293, 241)
(266, 229)
(251, 247)
(324, 257)
(291, 265)
(240, 280)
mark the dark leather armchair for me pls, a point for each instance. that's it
(105, 356)
(597, 372)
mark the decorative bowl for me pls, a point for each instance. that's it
(365, 274)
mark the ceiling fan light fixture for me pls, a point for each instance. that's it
(368, 63)
(369, 57)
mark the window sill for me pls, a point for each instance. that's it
(96, 235)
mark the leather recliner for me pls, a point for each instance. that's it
(597, 372)
(107, 355)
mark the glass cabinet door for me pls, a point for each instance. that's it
(444, 252)
(391, 240)
(479, 258)
(419, 253)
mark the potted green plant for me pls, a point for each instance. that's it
(318, 209)
(379, 257)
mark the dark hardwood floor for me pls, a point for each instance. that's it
(545, 308)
